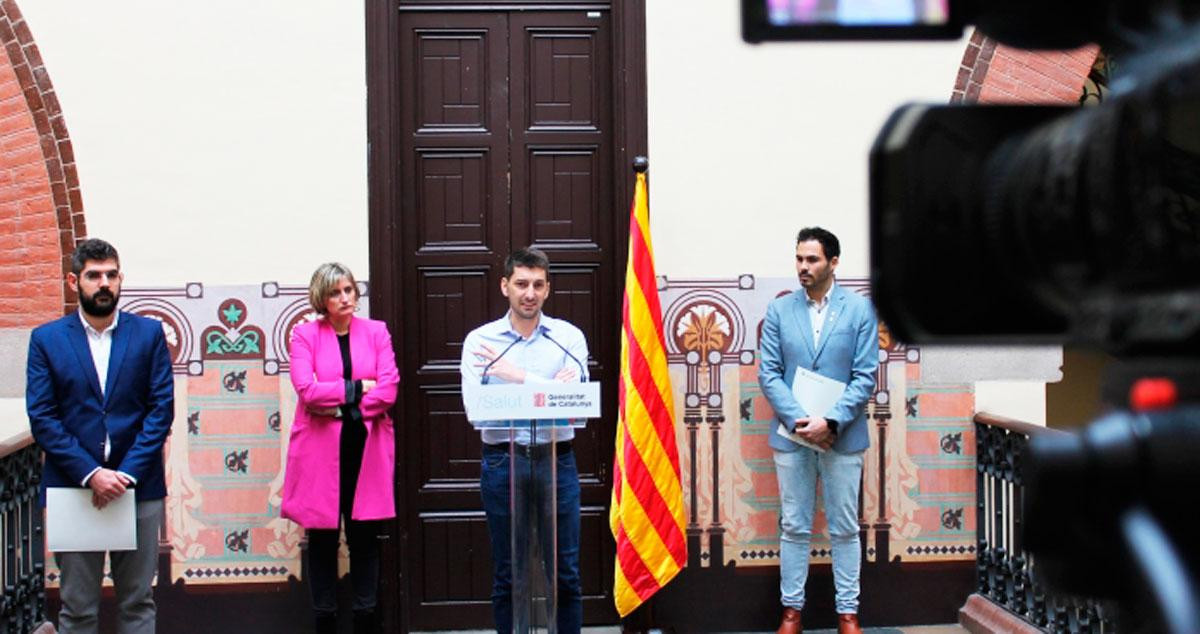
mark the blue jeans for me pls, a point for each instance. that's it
(841, 476)
(495, 485)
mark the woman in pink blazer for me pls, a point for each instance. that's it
(341, 454)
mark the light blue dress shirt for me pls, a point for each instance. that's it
(542, 355)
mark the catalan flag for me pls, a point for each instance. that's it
(647, 517)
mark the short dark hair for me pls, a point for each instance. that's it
(829, 242)
(529, 257)
(92, 250)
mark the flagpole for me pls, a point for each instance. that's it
(647, 516)
(640, 620)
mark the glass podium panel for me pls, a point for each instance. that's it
(534, 530)
(535, 419)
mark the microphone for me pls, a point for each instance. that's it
(582, 371)
(484, 375)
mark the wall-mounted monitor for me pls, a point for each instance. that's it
(767, 20)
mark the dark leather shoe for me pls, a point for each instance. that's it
(790, 623)
(848, 624)
(365, 623)
(327, 623)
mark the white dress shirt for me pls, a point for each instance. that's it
(541, 355)
(100, 343)
(817, 312)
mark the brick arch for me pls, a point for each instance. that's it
(41, 209)
(994, 73)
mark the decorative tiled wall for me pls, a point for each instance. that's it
(918, 502)
(233, 412)
(234, 406)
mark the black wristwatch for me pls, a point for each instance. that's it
(833, 425)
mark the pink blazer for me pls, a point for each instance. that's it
(310, 484)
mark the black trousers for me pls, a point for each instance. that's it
(363, 540)
(361, 536)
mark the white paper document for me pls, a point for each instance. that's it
(817, 395)
(74, 525)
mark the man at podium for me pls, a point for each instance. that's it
(528, 346)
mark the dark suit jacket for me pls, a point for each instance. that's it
(69, 417)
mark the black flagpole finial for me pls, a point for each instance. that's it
(641, 164)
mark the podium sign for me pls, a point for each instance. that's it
(519, 403)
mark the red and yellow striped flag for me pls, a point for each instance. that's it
(647, 517)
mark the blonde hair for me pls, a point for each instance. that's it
(324, 281)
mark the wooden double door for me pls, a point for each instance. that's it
(499, 135)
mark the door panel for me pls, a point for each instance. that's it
(562, 202)
(452, 80)
(453, 219)
(453, 187)
(453, 576)
(452, 299)
(575, 291)
(454, 145)
(563, 208)
(561, 136)
(505, 142)
(450, 450)
(561, 61)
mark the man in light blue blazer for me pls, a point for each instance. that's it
(830, 331)
(100, 399)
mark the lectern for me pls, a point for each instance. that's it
(534, 415)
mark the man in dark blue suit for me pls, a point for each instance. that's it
(825, 329)
(100, 398)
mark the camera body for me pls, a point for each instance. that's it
(1082, 224)
(1108, 514)
(1077, 226)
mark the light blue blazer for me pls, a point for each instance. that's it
(848, 352)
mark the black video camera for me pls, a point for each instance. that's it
(1055, 224)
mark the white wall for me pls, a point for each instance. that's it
(750, 143)
(221, 141)
(1020, 400)
(225, 142)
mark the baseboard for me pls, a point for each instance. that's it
(980, 615)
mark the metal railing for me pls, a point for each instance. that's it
(23, 605)
(1005, 571)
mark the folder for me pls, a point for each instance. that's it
(74, 525)
(817, 394)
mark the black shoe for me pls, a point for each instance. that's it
(365, 622)
(327, 624)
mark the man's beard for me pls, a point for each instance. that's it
(96, 309)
